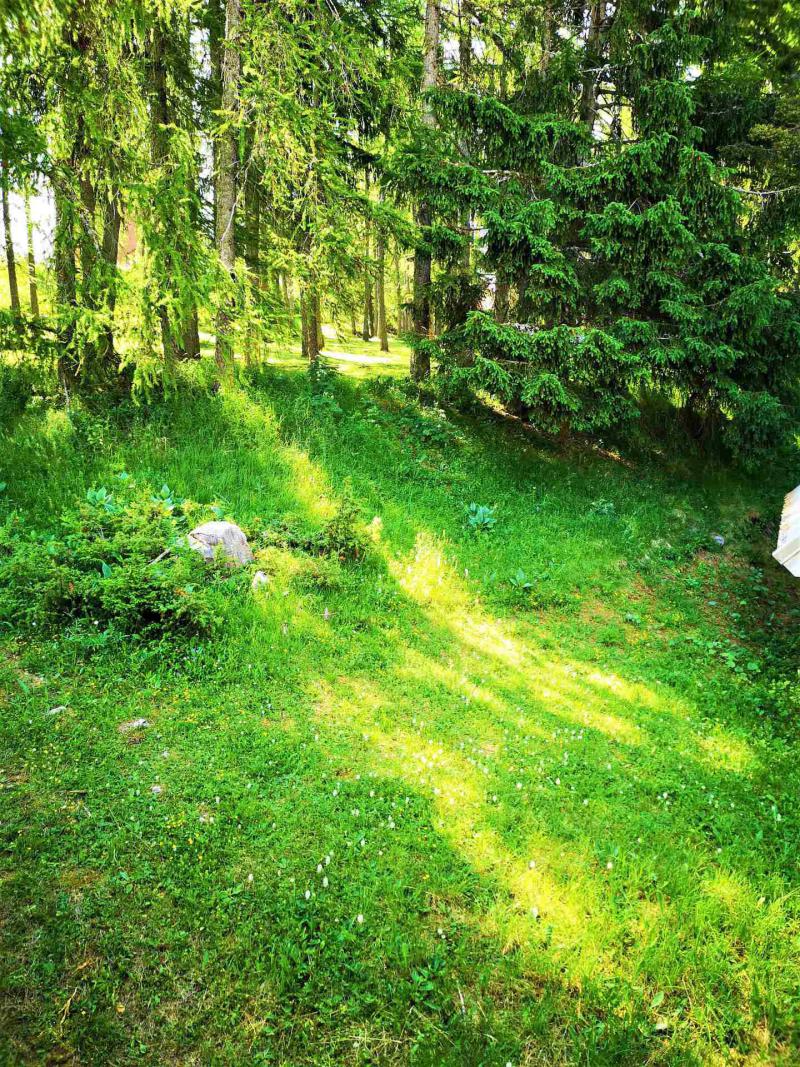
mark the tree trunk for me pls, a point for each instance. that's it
(33, 288)
(309, 324)
(179, 340)
(420, 360)
(66, 289)
(225, 182)
(159, 120)
(501, 297)
(318, 321)
(252, 211)
(592, 59)
(547, 38)
(11, 264)
(368, 329)
(380, 288)
(112, 219)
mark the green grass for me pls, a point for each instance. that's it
(410, 811)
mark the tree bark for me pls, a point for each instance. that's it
(380, 288)
(11, 264)
(112, 220)
(180, 340)
(159, 120)
(368, 328)
(592, 59)
(225, 182)
(66, 289)
(501, 297)
(33, 288)
(420, 360)
(309, 324)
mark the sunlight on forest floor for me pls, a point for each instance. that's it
(407, 810)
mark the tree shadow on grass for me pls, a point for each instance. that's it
(466, 744)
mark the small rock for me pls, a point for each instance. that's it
(134, 724)
(718, 539)
(259, 579)
(227, 537)
(58, 710)
(156, 790)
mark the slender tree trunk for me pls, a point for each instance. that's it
(225, 182)
(180, 340)
(547, 37)
(592, 59)
(380, 288)
(66, 289)
(11, 264)
(159, 120)
(252, 211)
(420, 360)
(501, 297)
(309, 324)
(216, 35)
(369, 326)
(33, 288)
(318, 321)
(112, 220)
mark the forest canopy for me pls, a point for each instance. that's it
(570, 209)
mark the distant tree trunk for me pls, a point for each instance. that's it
(216, 34)
(420, 361)
(66, 288)
(112, 220)
(380, 288)
(159, 149)
(252, 211)
(592, 59)
(547, 37)
(179, 340)
(318, 321)
(33, 288)
(501, 297)
(225, 182)
(369, 314)
(11, 264)
(309, 324)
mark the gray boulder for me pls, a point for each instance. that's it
(225, 538)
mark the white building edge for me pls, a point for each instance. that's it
(788, 550)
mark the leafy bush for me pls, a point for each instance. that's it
(119, 559)
(345, 536)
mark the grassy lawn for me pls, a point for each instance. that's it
(515, 796)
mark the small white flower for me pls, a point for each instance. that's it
(359, 919)
(558, 781)
(531, 864)
(308, 894)
(325, 882)
(249, 878)
(609, 865)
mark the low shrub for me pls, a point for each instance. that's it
(119, 559)
(344, 537)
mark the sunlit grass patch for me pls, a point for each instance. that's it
(403, 809)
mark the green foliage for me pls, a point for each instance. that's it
(119, 560)
(603, 772)
(481, 518)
